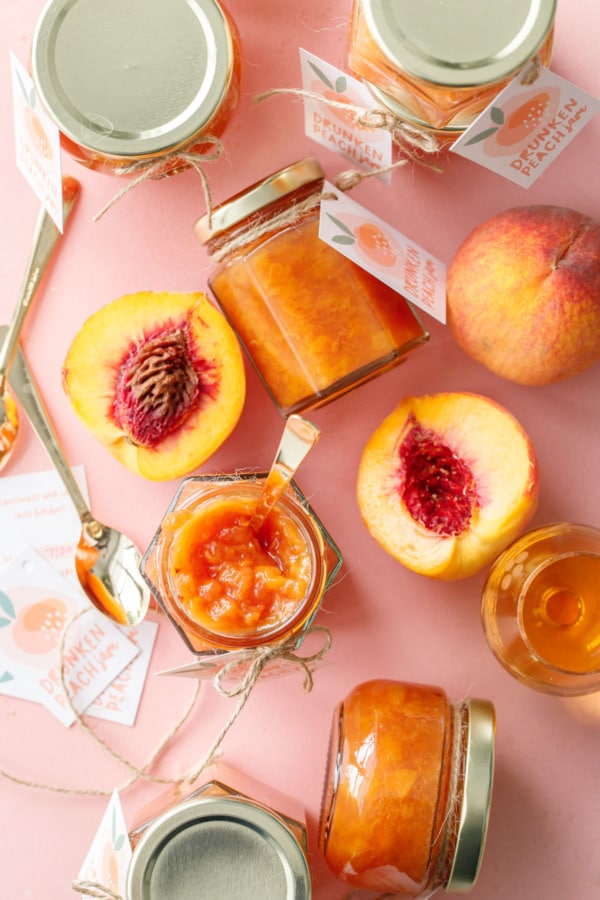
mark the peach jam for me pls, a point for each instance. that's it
(228, 585)
(228, 837)
(138, 83)
(314, 323)
(408, 789)
(438, 65)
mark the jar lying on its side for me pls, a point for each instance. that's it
(220, 841)
(132, 90)
(408, 788)
(436, 65)
(226, 587)
(314, 324)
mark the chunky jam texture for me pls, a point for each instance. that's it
(233, 580)
(438, 488)
(159, 384)
(384, 825)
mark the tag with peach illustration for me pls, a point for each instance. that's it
(108, 858)
(525, 128)
(37, 143)
(384, 252)
(36, 604)
(327, 123)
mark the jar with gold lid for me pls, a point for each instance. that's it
(226, 837)
(408, 788)
(314, 324)
(227, 588)
(136, 85)
(437, 65)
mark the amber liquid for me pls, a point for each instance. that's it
(559, 613)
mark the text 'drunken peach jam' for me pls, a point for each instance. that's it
(139, 86)
(314, 324)
(438, 65)
(408, 789)
(227, 586)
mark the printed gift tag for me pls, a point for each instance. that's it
(522, 132)
(336, 129)
(108, 858)
(35, 605)
(384, 252)
(37, 142)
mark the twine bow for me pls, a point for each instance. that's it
(166, 165)
(411, 142)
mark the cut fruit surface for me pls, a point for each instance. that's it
(159, 379)
(446, 482)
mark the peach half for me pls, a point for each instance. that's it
(446, 482)
(159, 379)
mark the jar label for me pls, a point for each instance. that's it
(106, 862)
(37, 142)
(326, 91)
(526, 127)
(384, 252)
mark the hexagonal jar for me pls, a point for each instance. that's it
(227, 836)
(226, 588)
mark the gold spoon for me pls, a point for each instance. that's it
(106, 561)
(44, 241)
(299, 435)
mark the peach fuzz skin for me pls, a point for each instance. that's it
(490, 445)
(523, 294)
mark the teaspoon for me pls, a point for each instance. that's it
(44, 241)
(106, 561)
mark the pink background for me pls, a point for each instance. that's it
(545, 824)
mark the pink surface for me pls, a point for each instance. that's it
(545, 823)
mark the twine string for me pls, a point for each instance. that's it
(142, 171)
(94, 889)
(532, 72)
(412, 143)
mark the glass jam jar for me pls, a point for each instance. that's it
(541, 609)
(438, 65)
(408, 789)
(314, 324)
(220, 841)
(224, 586)
(131, 84)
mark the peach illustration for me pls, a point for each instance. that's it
(446, 482)
(38, 627)
(375, 244)
(517, 122)
(37, 135)
(523, 294)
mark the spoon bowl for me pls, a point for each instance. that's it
(44, 241)
(106, 561)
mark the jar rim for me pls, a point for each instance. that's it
(479, 724)
(114, 84)
(258, 196)
(464, 48)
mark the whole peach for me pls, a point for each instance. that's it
(523, 294)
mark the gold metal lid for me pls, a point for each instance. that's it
(132, 78)
(224, 847)
(459, 44)
(479, 743)
(258, 196)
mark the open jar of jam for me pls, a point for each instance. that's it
(134, 83)
(541, 609)
(408, 789)
(221, 841)
(314, 324)
(228, 587)
(438, 65)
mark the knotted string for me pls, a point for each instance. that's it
(147, 170)
(532, 72)
(410, 141)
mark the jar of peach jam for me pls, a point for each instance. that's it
(438, 65)
(134, 83)
(227, 837)
(408, 788)
(314, 324)
(226, 586)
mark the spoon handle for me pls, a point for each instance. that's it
(45, 238)
(24, 387)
